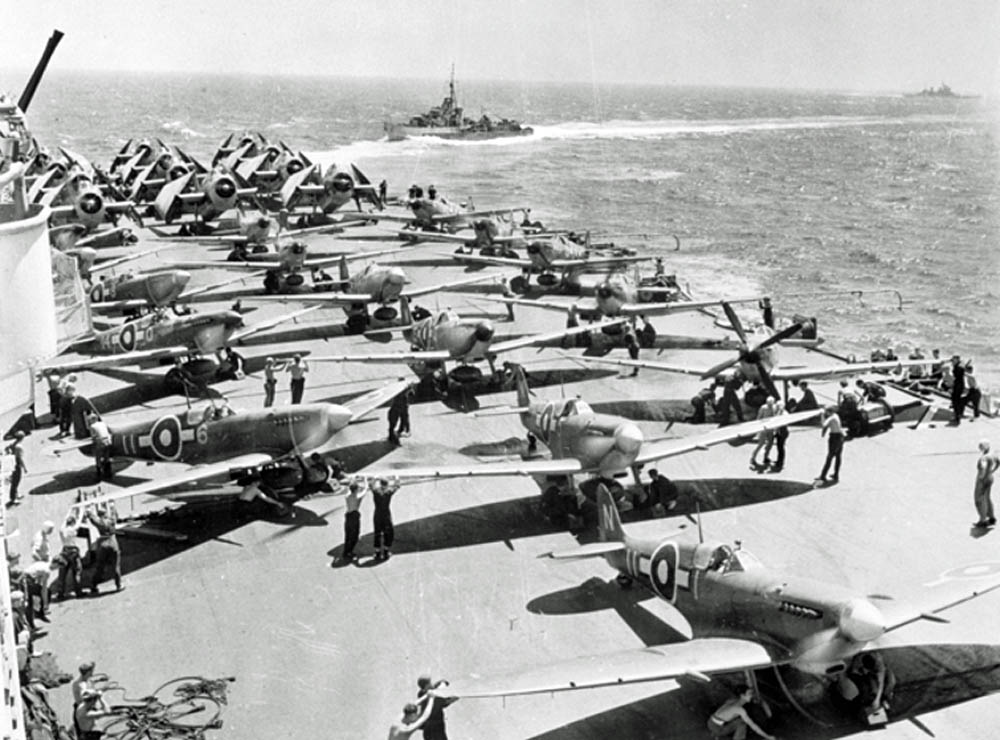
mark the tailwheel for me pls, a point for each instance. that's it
(624, 581)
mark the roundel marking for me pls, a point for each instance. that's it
(126, 338)
(663, 571)
(968, 572)
(165, 438)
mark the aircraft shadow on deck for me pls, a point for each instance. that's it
(200, 522)
(505, 521)
(929, 678)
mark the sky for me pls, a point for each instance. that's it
(901, 45)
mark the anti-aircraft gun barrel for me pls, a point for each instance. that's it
(36, 76)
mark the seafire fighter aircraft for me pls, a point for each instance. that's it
(159, 336)
(284, 270)
(258, 446)
(269, 169)
(758, 362)
(382, 284)
(742, 615)
(583, 441)
(447, 337)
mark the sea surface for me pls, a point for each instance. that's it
(803, 195)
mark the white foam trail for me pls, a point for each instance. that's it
(179, 127)
(615, 129)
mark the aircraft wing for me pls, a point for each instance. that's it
(417, 292)
(271, 323)
(597, 262)
(189, 294)
(225, 265)
(951, 588)
(389, 357)
(127, 358)
(109, 264)
(445, 217)
(473, 259)
(844, 368)
(671, 447)
(333, 259)
(558, 466)
(533, 339)
(192, 475)
(695, 658)
(581, 307)
(669, 307)
(370, 401)
(652, 365)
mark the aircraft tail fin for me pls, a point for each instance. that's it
(523, 393)
(345, 273)
(609, 524)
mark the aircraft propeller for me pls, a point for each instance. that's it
(751, 355)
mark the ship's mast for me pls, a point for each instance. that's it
(451, 86)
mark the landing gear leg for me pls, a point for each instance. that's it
(752, 683)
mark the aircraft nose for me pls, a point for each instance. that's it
(604, 291)
(396, 276)
(534, 248)
(337, 417)
(484, 331)
(225, 188)
(861, 621)
(628, 438)
(343, 183)
(231, 318)
(91, 203)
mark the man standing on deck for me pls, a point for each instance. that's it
(108, 554)
(957, 389)
(382, 492)
(835, 443)
(730, 399)
(20, 468)
(434, 727)
(298, 369)
(352, 517)
(986, 466)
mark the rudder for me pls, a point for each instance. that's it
(609, 524)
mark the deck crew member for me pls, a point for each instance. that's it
(974, 395)
(765, 439)
(632, 345)
(986, 466)
(647, 335)
(15, 449)
(957, 389)
(270, 380)
(663, 493)
(298, 368)
(101, 436)
(767, 312)
(704, 398)
(835, 442)
(53, 378)
(870, 391)
(730, 399)
(108, 554)
(780, 437)
(411, 721)
(434, 727)
(91, 708)
(352, 517)
(848, 408)
(732, 718)
(399, 416)
(70, 575)
(382, 492)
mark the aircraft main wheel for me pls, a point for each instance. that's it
(519, 284)
(623, 580)
(173, 381)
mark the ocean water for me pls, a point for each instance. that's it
(803, 195)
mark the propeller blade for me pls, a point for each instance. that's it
(734, 321)
(775, 338)
(713, 371)
(766, 381)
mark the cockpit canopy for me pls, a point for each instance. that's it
(575, 407)
(723, 558)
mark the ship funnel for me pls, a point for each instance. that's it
(36, 76)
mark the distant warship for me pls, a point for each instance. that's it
(939, 92)
(448, 122)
